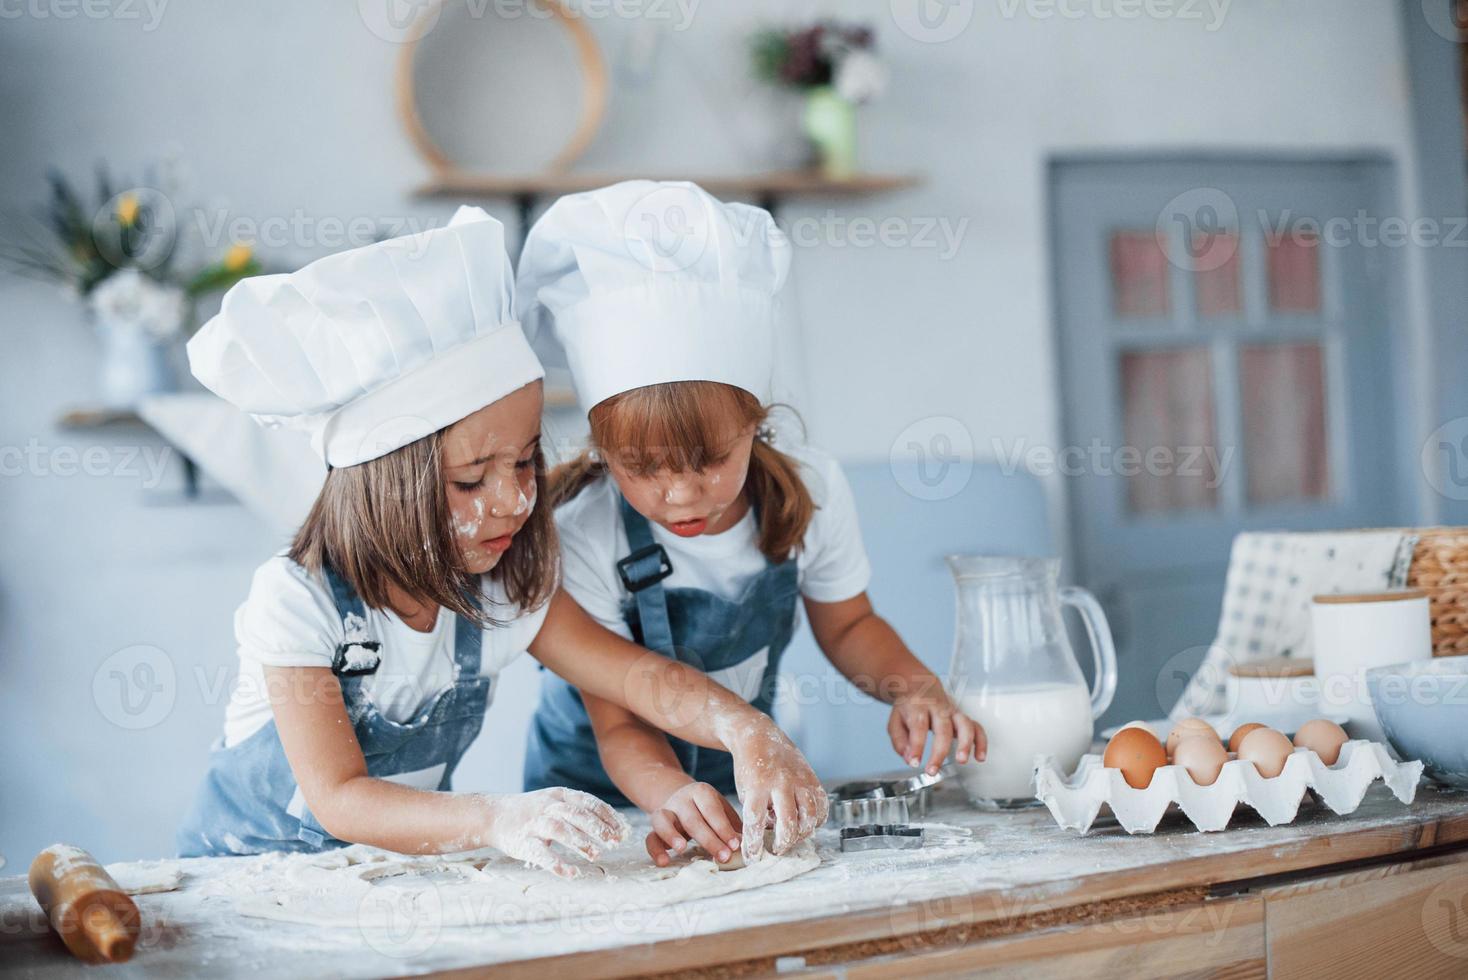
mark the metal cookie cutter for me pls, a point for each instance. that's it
(884, 802)
(875, 837)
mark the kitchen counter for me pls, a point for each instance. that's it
(1381, 890)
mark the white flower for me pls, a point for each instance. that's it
(128, 298)
(860, 77)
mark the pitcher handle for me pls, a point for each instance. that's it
(1102, 649)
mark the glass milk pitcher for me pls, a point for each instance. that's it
(1014, 672)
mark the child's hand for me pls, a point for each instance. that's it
(772, 775)
(701, 812)
(525, 825)
(914, 715)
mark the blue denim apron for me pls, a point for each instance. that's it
(250, 803)
(694, 626)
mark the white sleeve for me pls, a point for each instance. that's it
(288, 620)
(834, 565)
(588, 565)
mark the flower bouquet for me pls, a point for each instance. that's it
(120, 254)
(835, 66)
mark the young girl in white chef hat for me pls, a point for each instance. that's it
(369, 650)
(688, 527)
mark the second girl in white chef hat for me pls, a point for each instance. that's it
(369, 650)
(686, 528)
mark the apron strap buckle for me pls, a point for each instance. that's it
(644, 567)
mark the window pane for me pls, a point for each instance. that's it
(1138, 274)
(1283, 393)
(1167, 407)
(1294, 273)
(1216, 259)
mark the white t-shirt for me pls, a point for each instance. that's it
(831, 567)
(290, 620)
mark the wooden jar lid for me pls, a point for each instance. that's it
(1350, 598)
(1275, 667)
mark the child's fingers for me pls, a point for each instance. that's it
(812, 812)
(787, 818)
(665, 825)
(897, 731)
(942, 742)
(981, 742)
(721, 820)
(554, 829)
(657, 850)
(592, 805)
(698, 828)
(587, 821)
(755, 809)
(539, 854)
(917, 734)
(965, 745)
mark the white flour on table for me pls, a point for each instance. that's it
(363, 887)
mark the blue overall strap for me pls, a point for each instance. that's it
(642, 573)
(355, 655)
(468, 644)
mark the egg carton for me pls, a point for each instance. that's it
(1074, 801)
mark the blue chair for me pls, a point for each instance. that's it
(842, 731)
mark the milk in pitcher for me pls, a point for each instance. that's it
(1046, 718)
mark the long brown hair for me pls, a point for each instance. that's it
(386, 522)
(678, 426)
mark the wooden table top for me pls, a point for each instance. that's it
(1018, 871)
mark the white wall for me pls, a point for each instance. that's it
(284, 109)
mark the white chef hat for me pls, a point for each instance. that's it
(647, 282)
(376, 347)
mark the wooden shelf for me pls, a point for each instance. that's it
(96, 418)
(776, 183)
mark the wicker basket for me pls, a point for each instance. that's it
(1440, 568)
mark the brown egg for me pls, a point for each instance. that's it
(1203, 758)
(1137, 753)
(1238, 736)
(1267, 749)
(1186, 728)
(1323, 737)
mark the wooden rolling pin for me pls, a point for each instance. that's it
(91, 914)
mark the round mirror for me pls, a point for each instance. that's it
(501, 88)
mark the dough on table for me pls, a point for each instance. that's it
(363, 887)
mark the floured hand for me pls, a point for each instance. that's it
(777, 788)
(526, 825)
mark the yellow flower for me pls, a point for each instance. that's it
(238, 257)
(127, 209)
